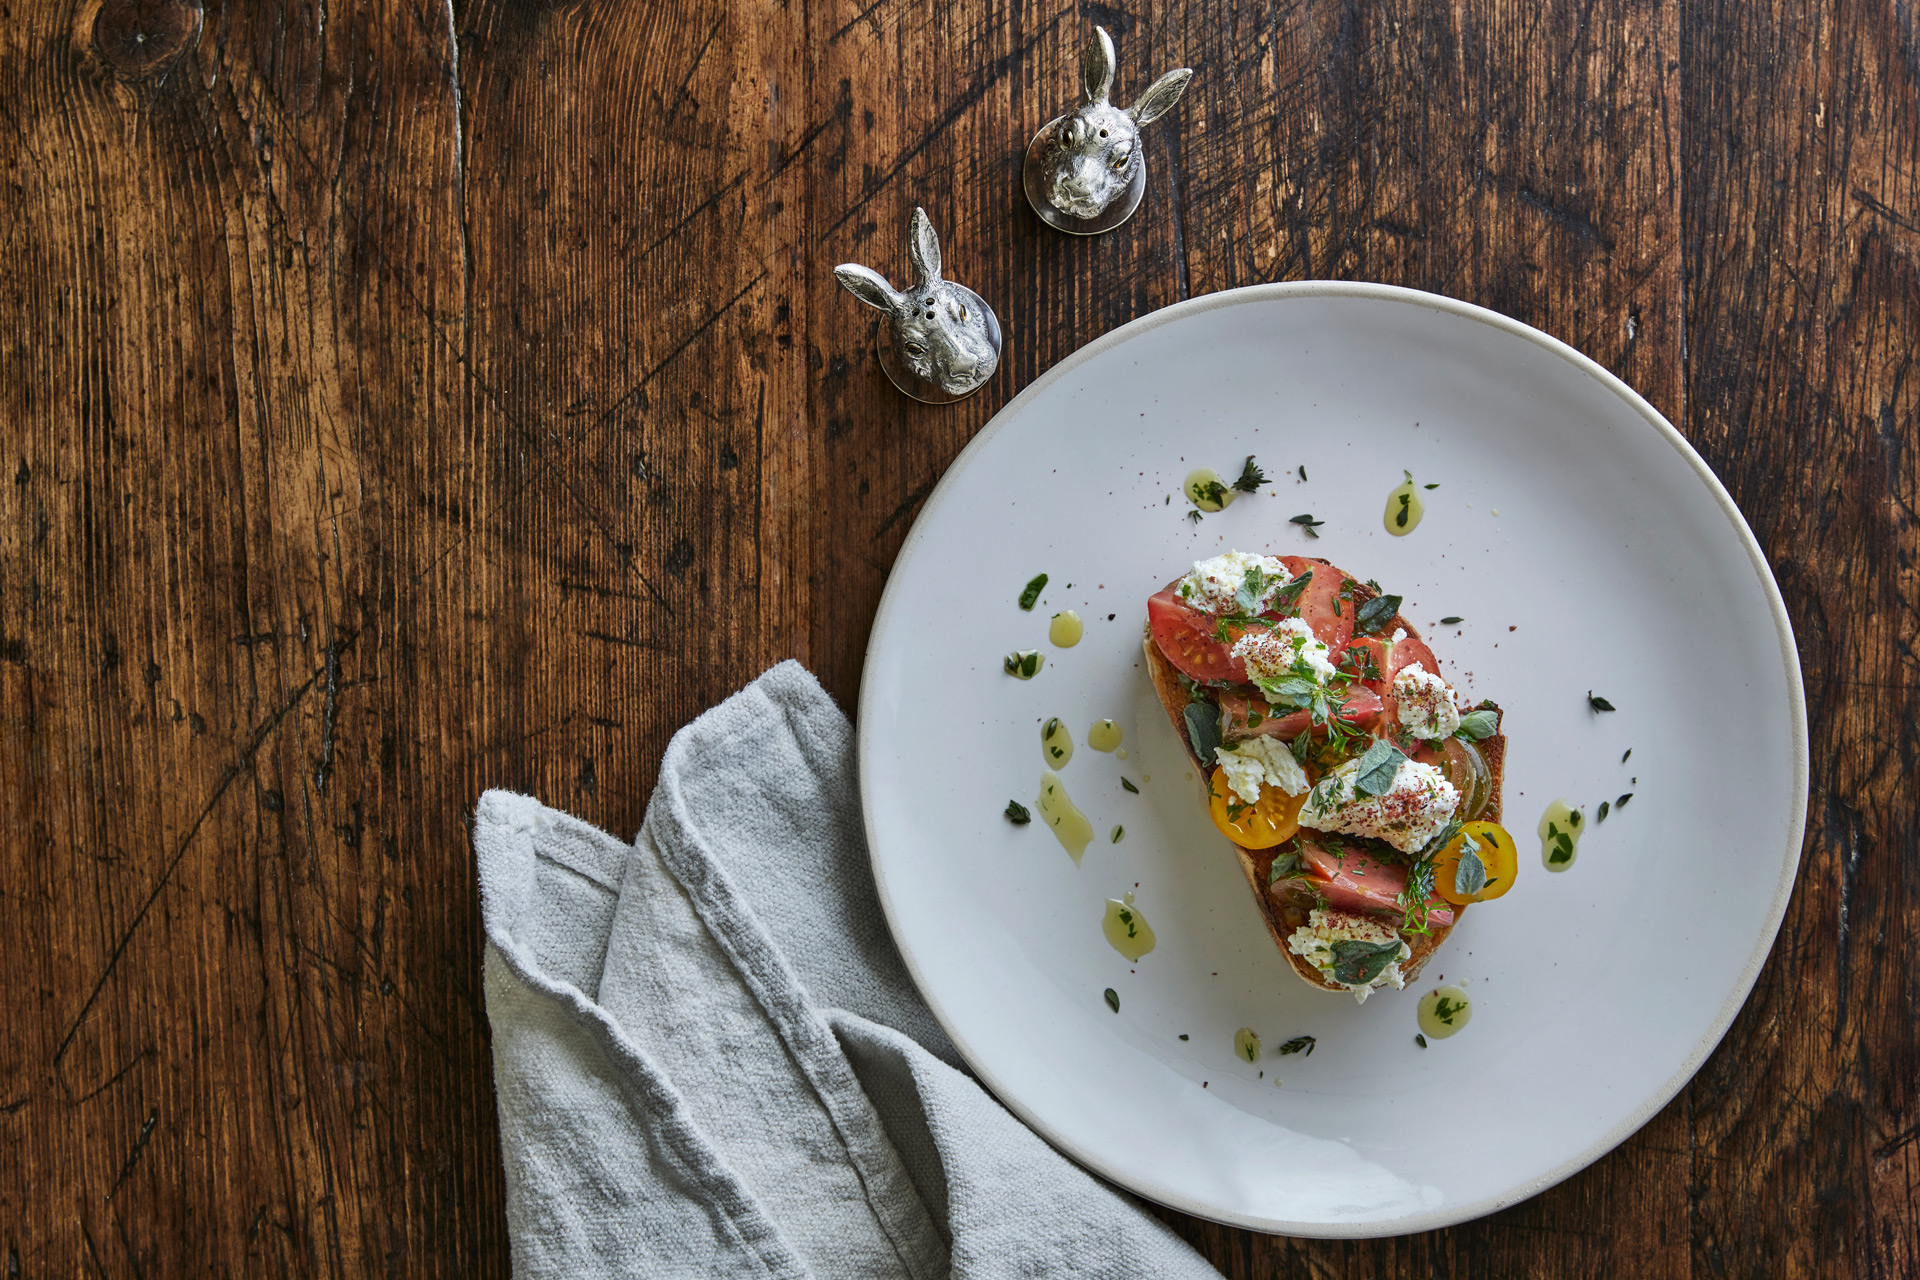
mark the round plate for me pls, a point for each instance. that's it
(1586, 546)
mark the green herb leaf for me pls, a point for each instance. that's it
(1356, 963)
(1017, 813)
(1117, 833)
(1186, 1037)
(1022, 663)
(1193, 516)
(1476, 725)
(1471, 875)
(1420, 1040)
(1452, 620)
(1446, 1009)
(1625, 754)
(1203, 731)
(1303, 471)
(1375, 614)
(1308, 523)
(1113, 999)
(1251, 477)
(1598, 703)
(1284, 598)
(1129, 786)
(1252, 586)
(1621, 803)
(1299, 1044)
(1601, 815)
(1032, 593)
(1400, 516)
(1378, 768)
(1285, 867)
(1434, 485)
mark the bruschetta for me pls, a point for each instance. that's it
(1362, 798)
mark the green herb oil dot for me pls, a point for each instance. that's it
(1560, 831)
(1404, 509)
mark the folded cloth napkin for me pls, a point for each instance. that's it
(709, 1058)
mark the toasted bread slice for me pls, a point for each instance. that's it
(1285, 906)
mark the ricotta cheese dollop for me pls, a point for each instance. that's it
(1315, 941)
(1426, 704)
(1259, 762)
(1288, 648)
(1406, 815)
(1212, 584)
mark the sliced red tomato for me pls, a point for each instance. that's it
(1408, 652)
(1185, 636)
(1238, 711)
(1353, 880)
(1320, 604)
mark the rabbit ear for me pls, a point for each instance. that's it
(1096, 65)
(923, 249)
(1160, 96)
(867, 285)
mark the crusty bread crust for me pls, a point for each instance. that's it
(1285, 906)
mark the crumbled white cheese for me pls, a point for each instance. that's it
(1399, 634)
(1212, 584)
(1258, 762)
(1407, 815)
(1314, 940)
(1272, 653)
(1427, 707)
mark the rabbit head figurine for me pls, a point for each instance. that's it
(942, 340)
(1085, 171)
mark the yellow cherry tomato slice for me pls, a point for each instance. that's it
(1487, 841)
(1261, 825)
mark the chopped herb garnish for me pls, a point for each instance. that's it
(1186, 1037)
(1601, 815)
(1400, 516)
(1599, 703)
(1621, 803)
(1476, 725)
(1625, 754)
(1434, 485)
(1113, 999)
(1203, 731)
(1446, 1009)
(1420, 1040)
(1117, 833)
(1252, 586)
(1017, 813)
(1375, 614)
(1251, 477)
(1573, 819)
(1452, 620)
(1022, 663)
(1299, 1044)
(1032, 593)
(1303, 471)
(1212, 491)
(1129, 786)
(1378, 768)
(1193, 516)
(1308, 523)
(1357, 963)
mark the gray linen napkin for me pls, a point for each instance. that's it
(710, 1060)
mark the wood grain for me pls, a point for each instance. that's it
(405, 399)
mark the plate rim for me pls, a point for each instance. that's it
(1736, 999)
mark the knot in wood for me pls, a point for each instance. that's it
(141, 38)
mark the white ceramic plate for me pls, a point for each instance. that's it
(1587, 546)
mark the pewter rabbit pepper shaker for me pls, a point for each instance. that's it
(1085, 171)
(941, 340)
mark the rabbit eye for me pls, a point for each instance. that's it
(1103, 133)
(915, 349)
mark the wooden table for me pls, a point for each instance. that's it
(405, 400)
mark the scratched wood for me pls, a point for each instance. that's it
(404, 400)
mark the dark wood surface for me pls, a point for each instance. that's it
(404, 400)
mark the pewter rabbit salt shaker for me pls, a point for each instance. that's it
(1085, 171)
(941, 340)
